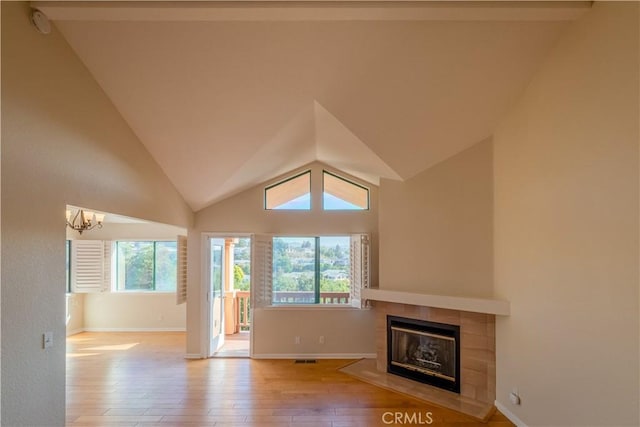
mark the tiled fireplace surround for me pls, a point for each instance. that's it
(476, 318)
(477, 345)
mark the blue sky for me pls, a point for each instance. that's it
(330, 203)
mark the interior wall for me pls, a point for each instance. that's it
(566, 230)
(119, 311)
(244, 213)
(436, 229)
(75, 314)
(63, 143)
(130, 311)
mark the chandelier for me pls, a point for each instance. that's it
(84, 220)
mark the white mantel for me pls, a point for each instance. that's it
(476, 305)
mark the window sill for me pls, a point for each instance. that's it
(143, 292)
(311, 307)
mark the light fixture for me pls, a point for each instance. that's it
(83, 220)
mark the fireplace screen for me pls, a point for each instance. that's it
(424, 351)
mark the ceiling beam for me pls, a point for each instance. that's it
(267, 10)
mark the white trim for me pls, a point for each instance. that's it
(75, 331)
(305, 307)
(205, 302)
(307, 11)
(135, 329)
(510, 415)
(316, 356)
(193, 356)
(476, 305)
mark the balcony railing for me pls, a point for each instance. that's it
(308, 297)
(243, 310)
(243, 305)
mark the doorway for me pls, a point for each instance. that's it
(229, 272)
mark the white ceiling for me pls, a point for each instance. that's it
(227, 95)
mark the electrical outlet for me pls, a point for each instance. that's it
(297, 340)
(321, 339)
(47, 339)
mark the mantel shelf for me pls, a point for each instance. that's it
(476, 305)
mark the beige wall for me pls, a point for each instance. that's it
(124, 231)
(75, 314)
(63, 142)
(112, 311)
(436, 229)
(566, 230)
(244, 213)
(347, 332)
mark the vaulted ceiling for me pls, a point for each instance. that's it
(227, 95)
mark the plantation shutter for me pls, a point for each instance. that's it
(181, 280)
(261, 270)
(88, 265)
(360, 268)
(108, 267)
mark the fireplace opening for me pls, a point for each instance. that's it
(423, 351)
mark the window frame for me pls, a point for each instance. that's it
(116, 267)
(291, 178)
(317, 274)
(349, 181)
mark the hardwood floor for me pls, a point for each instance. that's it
(142, 379)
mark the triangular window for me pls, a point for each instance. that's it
(293, 193)
(341, 194)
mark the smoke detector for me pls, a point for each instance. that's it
(40, 22)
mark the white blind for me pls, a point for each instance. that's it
(181, 280)
(360, 268)
(108, 266)
(88, 265)
(261, 270)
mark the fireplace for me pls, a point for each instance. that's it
(424, 351)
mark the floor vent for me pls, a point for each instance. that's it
(305, 361)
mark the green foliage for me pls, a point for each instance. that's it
(138, 257)
(295, 261)
(334, 285)
(240, 282)
(238, 274)
(142, 271)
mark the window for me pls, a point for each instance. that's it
(313, 270)
(146, 266)
(341, 194)
(293, 193)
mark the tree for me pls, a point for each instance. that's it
(238, 274)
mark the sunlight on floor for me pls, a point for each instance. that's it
(116, 347)
(82, 354)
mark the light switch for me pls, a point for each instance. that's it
(47, 339)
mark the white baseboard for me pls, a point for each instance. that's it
(507, 413)
(135, 330)
(74, 331)
(316, 356)
(191, 356)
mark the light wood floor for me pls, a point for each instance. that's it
(236, 345)
(142, 379)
